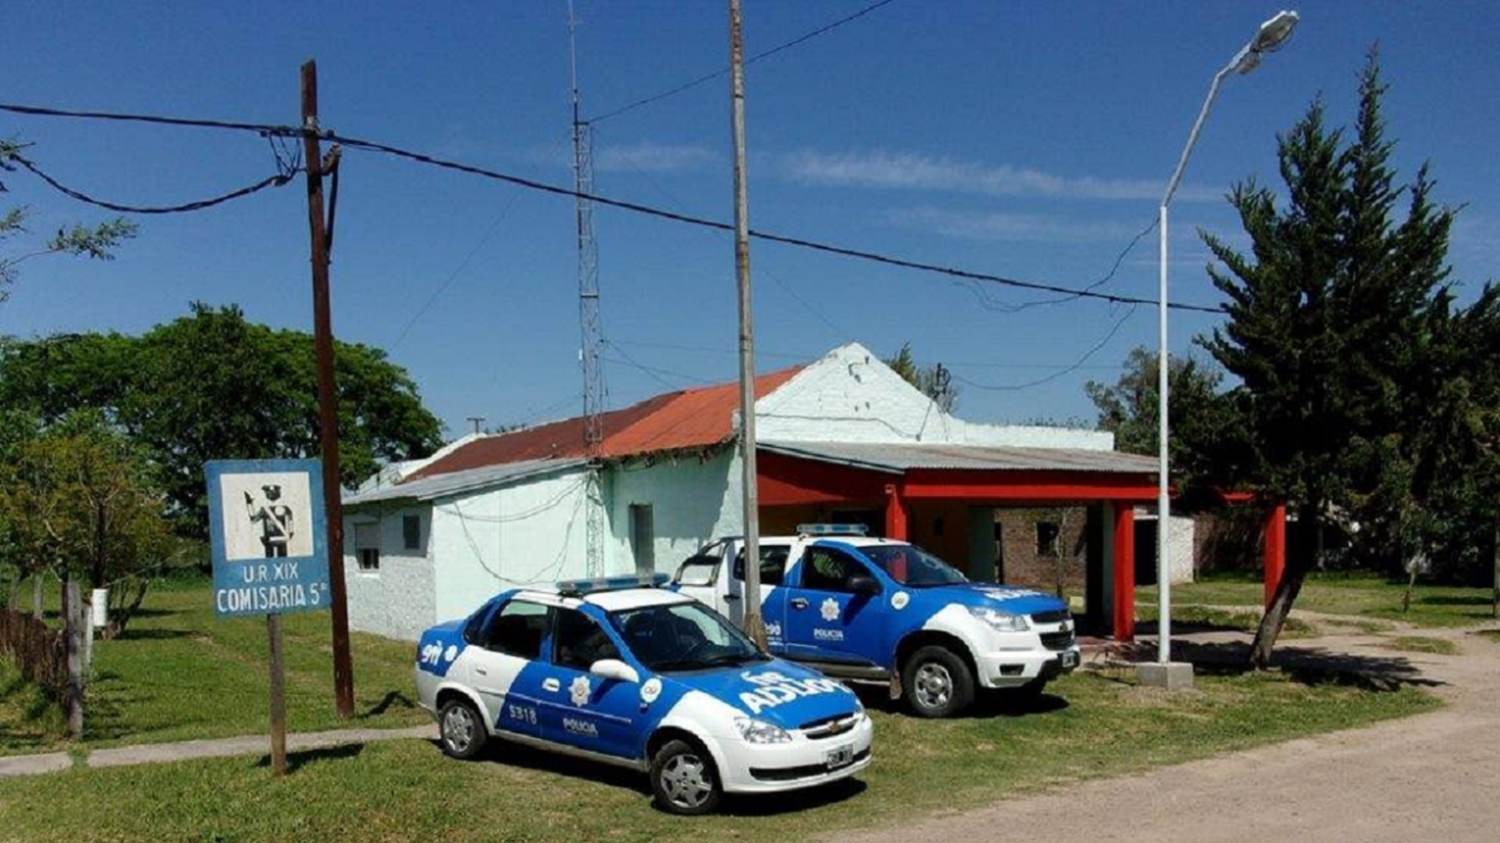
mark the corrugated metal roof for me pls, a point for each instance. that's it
(899, 458)
(457, 482)
(692, 418)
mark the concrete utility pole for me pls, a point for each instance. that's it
(328, 418)
(754, 626)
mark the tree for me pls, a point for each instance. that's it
(1206, 443)
(97, 242)
(1335, 318)
(79, 501)
(934, 381)
(212, 385)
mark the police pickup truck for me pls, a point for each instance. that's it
(625, 672)
(878, 610)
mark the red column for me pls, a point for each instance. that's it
(1274, 548)
(895, 513)
(1124, 566)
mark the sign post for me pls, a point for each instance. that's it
(267, 528)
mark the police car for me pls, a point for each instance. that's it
(887, 611)
(626, 672)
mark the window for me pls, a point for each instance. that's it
(517, 629)
(411, 532)
(699, 570)
(772, 564)
(826, 569)
(578, 641)
(367, 547)
(1046, 538)
(643, 538)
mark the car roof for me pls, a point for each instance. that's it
(634, 598)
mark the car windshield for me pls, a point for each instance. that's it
(683, 636)
(912, 566)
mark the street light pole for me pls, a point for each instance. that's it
(1268, 39)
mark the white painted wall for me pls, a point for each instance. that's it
(397, 600)
(530, 533)
(1180, 547)
(851, 396)
(692, 503)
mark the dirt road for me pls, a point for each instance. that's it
(1431, 777)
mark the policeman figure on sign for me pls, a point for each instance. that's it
(275, 520)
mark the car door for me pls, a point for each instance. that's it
(702, 577)
(825, 619)
(504, 668)
(579, 708)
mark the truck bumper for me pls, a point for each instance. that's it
(1014, 668)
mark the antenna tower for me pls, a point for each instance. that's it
(591, 332)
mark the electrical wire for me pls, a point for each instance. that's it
(991, 303)
(709, 77)
(1076, 365)
(635, 207)
(277, 180)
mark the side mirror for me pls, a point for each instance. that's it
(864, 586)
(614, 669)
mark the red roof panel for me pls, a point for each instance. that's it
(692, 418)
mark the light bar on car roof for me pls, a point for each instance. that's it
(578, 588)
(832, 530)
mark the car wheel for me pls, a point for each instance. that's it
(937, 682)
(461, 730)
(684, 779)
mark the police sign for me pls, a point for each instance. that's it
(267, 528)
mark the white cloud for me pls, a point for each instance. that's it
(1008, 227)
(650, 157)
(915, 171)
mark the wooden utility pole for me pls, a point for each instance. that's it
(72, 612)
(278, 696)
(343, 668)
(755, 626)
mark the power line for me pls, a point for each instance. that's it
(1006, 307)
(635, 207)
(709, 77)
(1076, 365)
(277, 180)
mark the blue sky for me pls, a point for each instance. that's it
(1022, 139)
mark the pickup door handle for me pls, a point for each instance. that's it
(731, 597)
(799, 602)
(551, 685)
(481, 671)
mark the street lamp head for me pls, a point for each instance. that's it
(1272, 35)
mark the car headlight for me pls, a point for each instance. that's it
(759, 731)
(1001, 621)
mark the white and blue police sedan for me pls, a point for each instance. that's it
(634, 675)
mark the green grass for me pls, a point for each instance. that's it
(1087, 726)
(1342, 594)
(1421, 644)
(1186, 617)
(180, 674)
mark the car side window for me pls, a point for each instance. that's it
(578, 642)
(517, 629)
(474, 629)
(828, 569)
(772, 564)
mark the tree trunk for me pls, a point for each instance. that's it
(120, 616)
(14, 594)
(36, 595)
(1281, 601)
(72, 615)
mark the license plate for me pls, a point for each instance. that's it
(841, 757)
(1069, 660)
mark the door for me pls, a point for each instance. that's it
(581, 709)
(503, 669)
(772, 571)
(703, 578)
(825, 619)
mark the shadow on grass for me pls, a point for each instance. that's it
(296, 760)
(391, 698)
(131, 634)
(1308, 665)
(988, 704)
(745, 805)
(1454, 600)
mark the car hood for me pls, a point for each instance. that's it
(1017, 601)
(779, 692)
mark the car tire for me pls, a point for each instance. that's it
(461, 730)
(937, 682)
(684, 779)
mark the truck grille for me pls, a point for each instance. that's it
(1055, 616)
(1057, 640)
